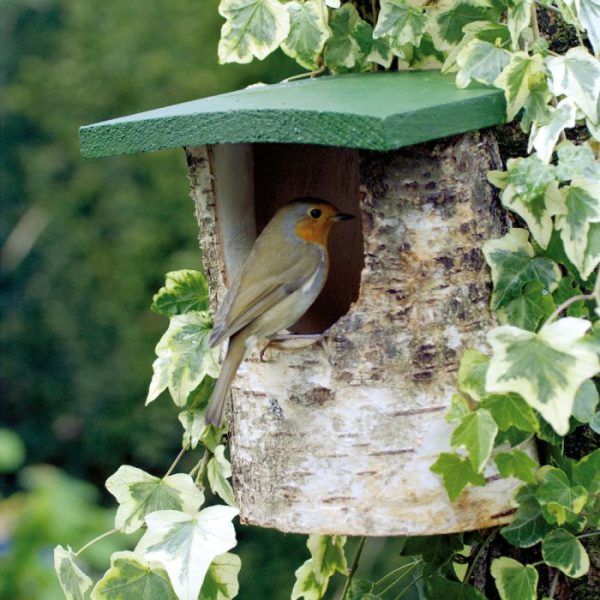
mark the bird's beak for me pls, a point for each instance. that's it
(343, 217)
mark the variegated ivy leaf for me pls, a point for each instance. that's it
(254, 28)
(342, 48)
(308, 32)
(73, 581)
(219, 471)
(544, 137)
(518, 18)
(546, 368)
(476, 432)
(403, 22)
(307, 585)
(185, 545)
(576, 162)
(577, 76)
(511, 259)
(221, 581)
(582, 211)
(184, 357)
(561, 502)
(471, 373)
(381, 52)
(192, 417)
(588, 12)
(515, 80)
(561, 549)
(328, 556)
(184, 291)
(130, 576)
(514, 581)
(333, 3)
(139, 494)
(480, 61)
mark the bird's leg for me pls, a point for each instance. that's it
(280, 339)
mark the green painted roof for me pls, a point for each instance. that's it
(377, 111)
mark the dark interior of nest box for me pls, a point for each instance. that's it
(252, 181)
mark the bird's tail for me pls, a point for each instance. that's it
(233, 358)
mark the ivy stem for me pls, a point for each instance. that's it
(478, 554)
(553, 585)
(549, 7)
(354, 566)
(177, 459)
(587, 535)
(374, 12)
(200, 467)
(96, 539)
(567, 303)
(534, 22)
(315, 73)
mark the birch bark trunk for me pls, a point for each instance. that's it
(339, 439)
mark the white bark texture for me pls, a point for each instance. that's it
(339, 439)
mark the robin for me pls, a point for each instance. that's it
(282, 276)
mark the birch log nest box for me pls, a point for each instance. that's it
(339, 437)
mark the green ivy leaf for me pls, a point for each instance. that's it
(546, 368)
(456, 473)
(218, 471)
(361, 589)
(577, 76)
(586, 473)
(139, 494)
(516, 464)
(435, 550)
(184, 291)
(561, 501)
(130, 576)
(530, 308)
(515, 78)
(529, 526)
(402, 22)
(513, 265)
(586, 401)
(518, 18)
(184, 357)
(73, 581)
(567, 288)
(253, 28)
(564, 551)
(476, 432)
(221, 581)
(544, 135)
(582, 209)
(437, 586)
(480, 61)
(576, 162)
(514, 581)
(186, 545)
(512, 436)
(471, 373)
(510, 410)
(309, 31)
(342, 49)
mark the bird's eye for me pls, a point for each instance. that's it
(315, 213)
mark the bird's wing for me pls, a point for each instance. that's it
(247, 301)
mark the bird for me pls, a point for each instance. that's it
(280, 279)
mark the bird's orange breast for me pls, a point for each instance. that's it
(313, 232)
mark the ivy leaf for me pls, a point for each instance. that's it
(480, 61)
(435, 550)
(253, 28)
(555, 493)
(577, 75)
(184, 291)
(514, 581)
(476, 432)
(459, 407)
(518, 18)
(328, 556)
(513, 264)
(456, 473)
(402, 22)
(564, 551)
(576, 162)
(586, 472)
(543, 137)
(516, 464)
(546, 368)
(186, 544)
(588, 12)
(471, 373)
(308, 32)
(192, 417)
(184, 357)
(529, 526)
(447, 25)
(307, 586)
(381, 52)
(342, 48)
(440, 587)
(139, 494)
(510, 410)
(515, 78)
(586, 401)
(218, 471)
(333, 3)
(567, 288)
(221, 581)
(73, 581)
(130, 576)
(582, 208)
(531, 307)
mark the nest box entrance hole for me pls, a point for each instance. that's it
(252, 181)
